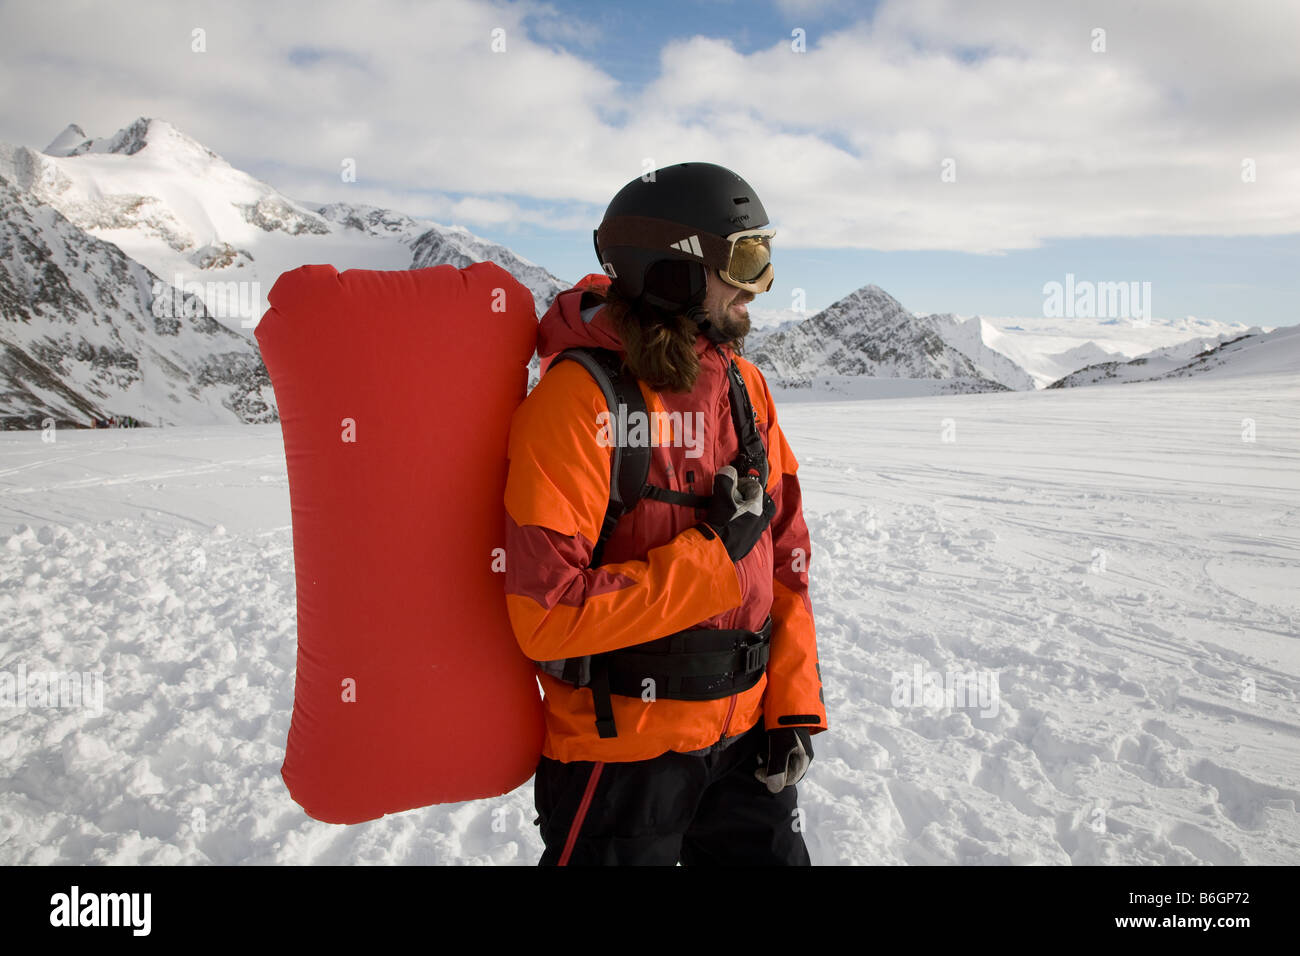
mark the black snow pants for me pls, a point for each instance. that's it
(706, 809)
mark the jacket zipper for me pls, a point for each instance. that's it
(726, 725)
(726, 397)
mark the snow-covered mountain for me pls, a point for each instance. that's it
(175, 210)
(459, 247)
(1051, 348)
(868, 334)
(868, 346)
(189, 216)
(1256, 352)
(86, 332)
(984, 346)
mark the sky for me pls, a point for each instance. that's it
(961, 155)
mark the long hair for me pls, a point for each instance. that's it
(660, 348)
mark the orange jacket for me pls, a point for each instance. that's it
(660, 575)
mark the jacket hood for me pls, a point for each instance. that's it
(567, 324)
(572, 323)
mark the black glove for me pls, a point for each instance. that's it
(789, 752)
(739, 512)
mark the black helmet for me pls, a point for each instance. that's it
(661, 232)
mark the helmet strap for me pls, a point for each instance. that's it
(660, 303)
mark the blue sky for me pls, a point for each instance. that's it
(1108, 140)
(1254, 280)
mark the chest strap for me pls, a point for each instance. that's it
(684, 498)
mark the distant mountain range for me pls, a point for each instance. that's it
(133, 268)
(867, 345)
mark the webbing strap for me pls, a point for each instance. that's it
(702, 664)
(752, 456)
(630, 463)
(604, 707)
(676, 497)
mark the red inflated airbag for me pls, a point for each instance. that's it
(395, 392)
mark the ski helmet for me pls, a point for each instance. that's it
(663, 230)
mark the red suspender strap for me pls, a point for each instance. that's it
(576, 825)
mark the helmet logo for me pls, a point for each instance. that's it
(609, 269)
(690, 244)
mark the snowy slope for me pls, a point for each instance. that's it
(1128, 578)
(1051, 348)
(87, 333)
(460, 248)
(1277, 351)
(1148, 366)
(985, 346)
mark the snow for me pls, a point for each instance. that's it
(986, 347)
(1277, 351)
(1119, 560)
(63, 144)
(1051, 348)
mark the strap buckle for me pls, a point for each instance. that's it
(758, 649)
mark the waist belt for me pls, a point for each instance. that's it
(703, 664)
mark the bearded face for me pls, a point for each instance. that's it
(727, 307)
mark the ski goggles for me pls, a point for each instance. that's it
(749, 260)
(742, 259)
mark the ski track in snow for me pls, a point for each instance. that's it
(1118, 557)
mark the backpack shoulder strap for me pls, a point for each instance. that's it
(752, 457)
(631, 463)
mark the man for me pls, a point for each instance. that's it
(674, 632)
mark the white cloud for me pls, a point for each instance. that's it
(843, 142)
(1047, 137)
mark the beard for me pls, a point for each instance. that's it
(728, 324)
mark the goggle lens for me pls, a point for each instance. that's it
(750, 255)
